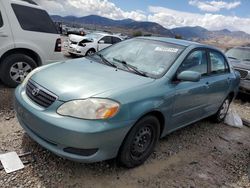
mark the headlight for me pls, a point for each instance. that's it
(92, 108)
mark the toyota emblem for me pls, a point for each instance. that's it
(35, 92)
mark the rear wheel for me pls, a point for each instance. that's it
(222, 112)
(15, 68)
(140, 142)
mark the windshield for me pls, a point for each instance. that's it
(149, 56)
(93, 36)
(242, 54)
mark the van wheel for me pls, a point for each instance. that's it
(90, 52)
(140, 142)
(15, 68)
(222, 112)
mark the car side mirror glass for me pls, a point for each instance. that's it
(190, 76)
(101, 42)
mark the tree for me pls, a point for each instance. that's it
(178, 37)
(137, 34)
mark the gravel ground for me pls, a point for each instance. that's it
(201, 155)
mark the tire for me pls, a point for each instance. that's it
(140, 142)
(222, 112)
(72, 55)
(15, 68)
(90, 52)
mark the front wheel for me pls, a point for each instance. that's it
(15, 68)
(140, 142)
(90, 52)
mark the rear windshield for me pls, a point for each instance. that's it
(1, 20)
(33, 19)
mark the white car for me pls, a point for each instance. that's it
(28, 39)
(90, 43)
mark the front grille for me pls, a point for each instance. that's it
(243, 73)
(40, 95)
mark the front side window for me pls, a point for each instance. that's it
(196, 61)
(33, 19)
(218, 63)
(107, 40)
(149, 56)
(1, 20)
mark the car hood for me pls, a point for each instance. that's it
(83, 78)
(240, 64)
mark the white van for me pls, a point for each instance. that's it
(28, 39)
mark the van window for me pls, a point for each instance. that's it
(1, 20)
(33, 19)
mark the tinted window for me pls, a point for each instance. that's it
(218, 63)
(116, 40)
(1, 20)
(32, 19)
(107, 40)
(196, 61)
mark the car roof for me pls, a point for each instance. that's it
(179, 42)
(28, 3)
(242, 47)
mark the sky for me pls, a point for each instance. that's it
(210, 14)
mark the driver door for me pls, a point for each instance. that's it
(104, 42)
(191, 98)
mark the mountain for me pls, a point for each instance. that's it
(200, 33)
(191, 32)
(145, 27)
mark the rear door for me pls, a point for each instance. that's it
(6, 38)
(219, 79)
(191, 100)
(115, 40)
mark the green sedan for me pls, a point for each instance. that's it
(120, 101)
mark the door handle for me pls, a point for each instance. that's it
(2, 34)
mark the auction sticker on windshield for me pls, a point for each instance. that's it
(162, 49)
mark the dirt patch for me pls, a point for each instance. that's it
(200, 155)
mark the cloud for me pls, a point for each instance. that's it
(171, 18)
(214, 6)
(86, 7)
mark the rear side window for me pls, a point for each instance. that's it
(1, 20)
(116, 40)
(218, 63)
(32, 19)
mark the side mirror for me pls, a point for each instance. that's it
(190, 76)
(101, 42)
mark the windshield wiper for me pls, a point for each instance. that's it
(104, 60)
(245, 59)
(129, 67)
(232, 58)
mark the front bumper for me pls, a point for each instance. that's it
(55, 132)
(245, 86)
